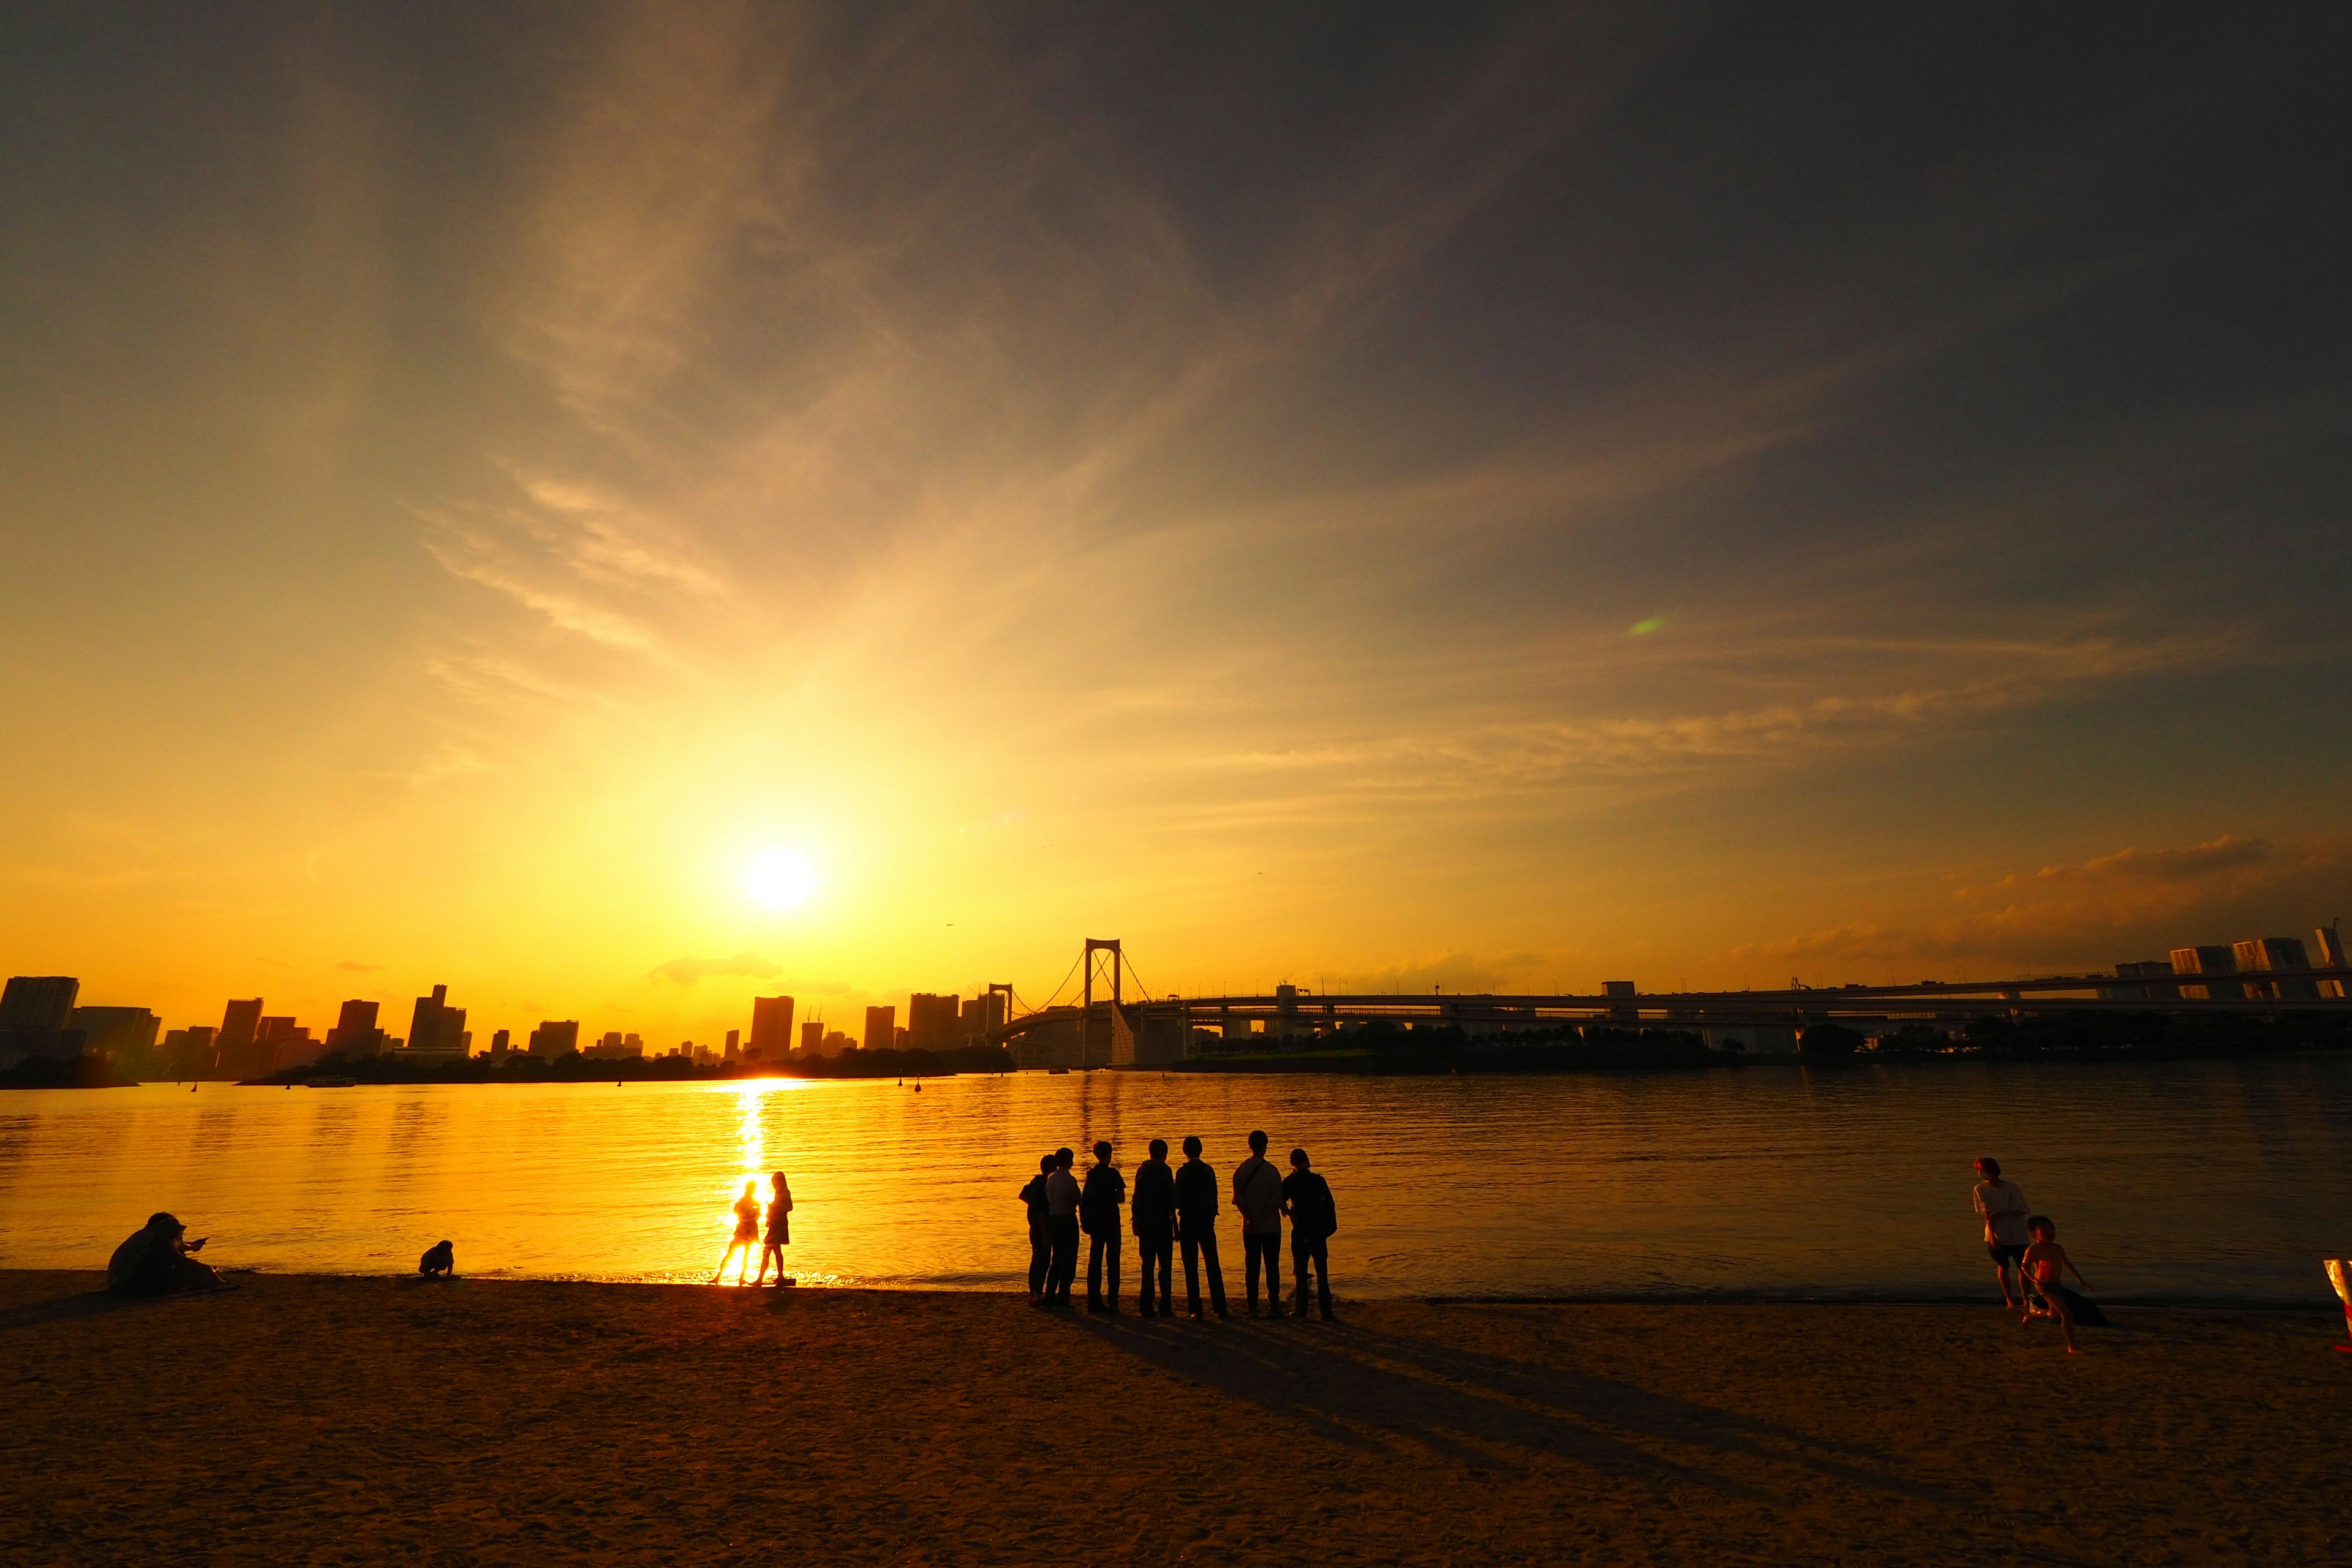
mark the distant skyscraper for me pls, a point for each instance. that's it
(932, 1021)
(556, 1037)
(2331, 956)
(38, 1001)
(2212, 959)
(812, 1039)
(499, 1042)
(881, 1028)
(124, 1035)
(232, 1048)
(734, 1050)
(437, 1027)
(355, 1033)
(771, 1027)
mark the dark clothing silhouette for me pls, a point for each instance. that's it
(153, 1261)
(1196, 1215)
(1154, 1214)
(1196, 1195)
(1263, 1249)
(1200, 1246)
(1314, 1220)
(439, 1259)
(1064, 1232)
(1098, 1204)
(1040, 1236)
(1100, 1200)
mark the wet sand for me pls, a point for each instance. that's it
(357, 1420)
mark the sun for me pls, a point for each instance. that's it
(780, 879)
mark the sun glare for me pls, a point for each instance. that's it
(780, 879)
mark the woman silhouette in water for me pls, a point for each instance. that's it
(747, 1232)
(779, 1232)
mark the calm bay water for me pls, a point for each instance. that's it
(2195, 1180)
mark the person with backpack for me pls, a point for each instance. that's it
(1314, 1220)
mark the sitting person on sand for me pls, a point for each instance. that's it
(154, 1261)
(747, 1234)
(780, 1231)
(2038, 1275)
(440, 1261)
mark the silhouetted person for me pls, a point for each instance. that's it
(1314, 1220)
(1154, 1212)
(1106, 1194)
(153, 1261)
(1041, 1235)
(2002, 1207)
(1258, 1193)
(1062, 1219)
(440, 1261)
(1196, 1228)
(747, 1232)
(780, 1231)
(2040, 1277)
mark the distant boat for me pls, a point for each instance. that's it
(334, 1083)
(1054, 1072)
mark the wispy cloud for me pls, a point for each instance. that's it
(687, 971)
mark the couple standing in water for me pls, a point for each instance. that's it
(1173, 1209)
(747, 1231)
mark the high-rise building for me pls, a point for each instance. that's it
(499, 1042)
(734, 1051)
(355, 1033)
(124, 1035)
(812, 1039)
(436, 1027)
(835, 1042)
(881, 1028)
(2260, 954)
(233, 1047)
(279, 1042)
(932, 1021)
(2145, 980)
(2212, 959)
(38, 1001)
(556, 1037)
(188, 1053)
(771, 1027)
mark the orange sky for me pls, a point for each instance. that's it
(1495, 501)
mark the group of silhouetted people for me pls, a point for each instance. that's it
(1174, 1209)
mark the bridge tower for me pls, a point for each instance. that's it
(1097, 949)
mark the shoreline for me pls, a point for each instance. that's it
(387, 1418)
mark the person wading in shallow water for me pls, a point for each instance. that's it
(779, 1232)
(2002, 1207)
(747, 1232)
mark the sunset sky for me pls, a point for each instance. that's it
(1365, 497)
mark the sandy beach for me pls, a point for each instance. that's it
(352, 1420)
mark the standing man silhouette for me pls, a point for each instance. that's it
(1062, 1221)
(1196, 1228)
(1041, 1234)
(1258, 1193)
(1314, 1220)
(1154, 1212)
(1106, 1194)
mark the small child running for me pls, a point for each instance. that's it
(2040, 1270)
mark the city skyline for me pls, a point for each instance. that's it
(621, 516)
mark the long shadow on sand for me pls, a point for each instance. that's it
(65, 1308)
(1365, 1388)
